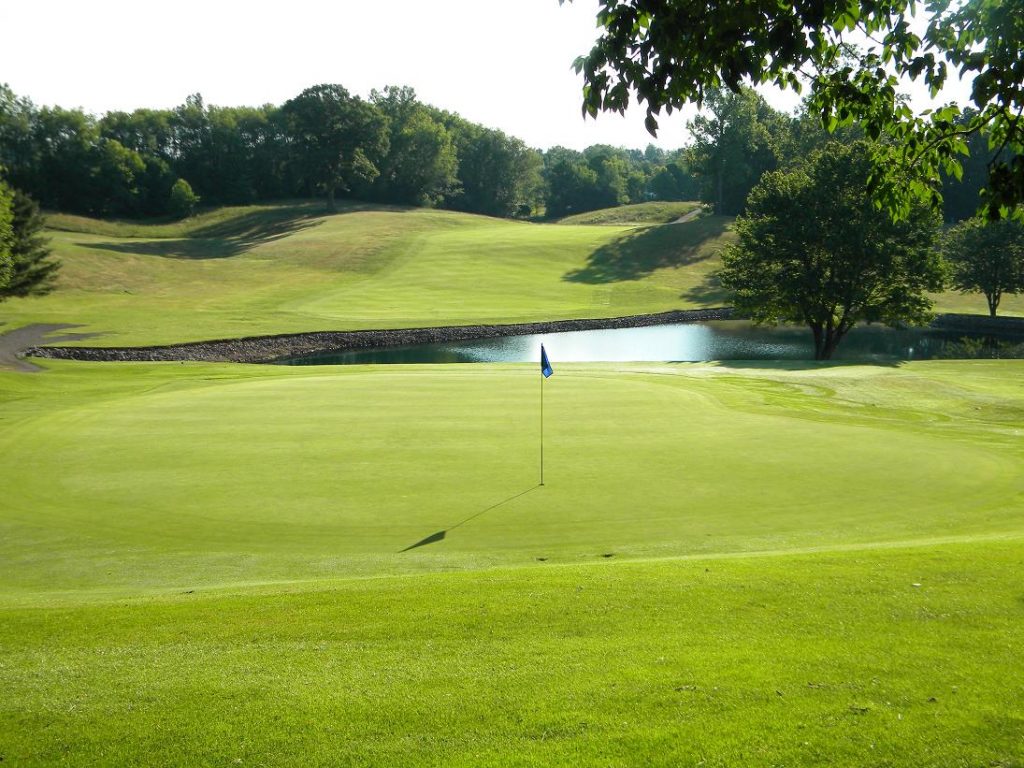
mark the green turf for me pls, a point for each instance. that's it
(773, 565)
(247, 474)
(658, 212)
(290, 268)
(281, 269)
(907, 658)
(728, 565)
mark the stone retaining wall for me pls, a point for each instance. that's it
(266, 349)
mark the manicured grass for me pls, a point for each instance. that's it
(175, 476)
(728, 565)
(895, 658)
(773, 565)
(291, 268)
(640, 213)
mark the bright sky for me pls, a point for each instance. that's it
(503, 63)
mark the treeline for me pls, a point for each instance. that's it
(738, 137)
(389, 148)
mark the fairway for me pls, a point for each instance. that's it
(290, 268)
(772, 564)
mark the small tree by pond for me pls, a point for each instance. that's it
(987, 256)
(813, 249)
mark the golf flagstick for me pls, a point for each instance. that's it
(545, 370)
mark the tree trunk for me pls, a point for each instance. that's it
(826, 339)
(330, 198)
(829, 347)
(721, 195)
(993, 303)
(818, 332)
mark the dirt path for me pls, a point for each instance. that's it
(13, 343)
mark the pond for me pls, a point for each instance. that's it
(690, 342)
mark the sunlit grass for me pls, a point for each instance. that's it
(203, 564)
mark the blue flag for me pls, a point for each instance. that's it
(545, 366)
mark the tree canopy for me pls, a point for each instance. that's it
(813, 249)
(852, 56)
(733, 145)
(340, 138)
(987, 257)
(129, 163)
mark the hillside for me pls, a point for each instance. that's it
(640, 213)
(290, 268)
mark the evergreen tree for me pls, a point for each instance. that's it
(33, 270)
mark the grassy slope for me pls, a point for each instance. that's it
(199, 564)
(280, 269)
(640, 213)
(276, 270)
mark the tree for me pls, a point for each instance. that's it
(813, 249)
(33, 270)
(987, 257)
(571, 183)
(498, 174)
(672, 52)
(420, 165)
(183, 200)
(339, 138)
(116, 175)
(6, 235)
(732, 146)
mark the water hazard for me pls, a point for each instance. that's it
(690, 342)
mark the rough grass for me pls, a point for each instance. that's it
(774, 565)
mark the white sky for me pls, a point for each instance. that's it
(503, 63)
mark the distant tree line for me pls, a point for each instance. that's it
(389, 148)
(738, 137)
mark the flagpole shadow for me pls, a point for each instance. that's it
(439, 536)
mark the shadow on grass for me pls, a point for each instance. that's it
(806, 365)
(225, 239)
(439, 536)
(708, 293)
(645, 250)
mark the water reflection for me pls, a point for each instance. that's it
(691, 342)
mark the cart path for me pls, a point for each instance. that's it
(13, 343)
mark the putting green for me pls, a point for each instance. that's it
(169, 476)
(202, 565)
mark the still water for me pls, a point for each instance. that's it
(690, 342)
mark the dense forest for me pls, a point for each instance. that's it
(391, 148)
